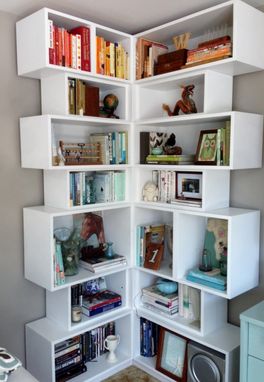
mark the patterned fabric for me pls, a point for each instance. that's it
(131, 374)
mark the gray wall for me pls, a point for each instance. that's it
(20, 300)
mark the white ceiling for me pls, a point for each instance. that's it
(130, 16)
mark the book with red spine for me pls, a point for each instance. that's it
(78, 51)
(66, 48)
(84, 32)
(60, 47)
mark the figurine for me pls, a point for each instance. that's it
(110, 343)
(8, 363)
(110, 104)
(170, 147)
(61, 158)
(186, 104)
(150, 192)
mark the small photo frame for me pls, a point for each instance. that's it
(172, 355)
(207, 148)
(189, 185)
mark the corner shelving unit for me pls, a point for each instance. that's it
(140, 110)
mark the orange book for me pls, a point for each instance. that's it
(98, 50)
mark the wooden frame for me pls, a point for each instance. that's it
(206, 151)
(189, 185)
(170, 345)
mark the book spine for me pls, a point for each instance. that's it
(67, 356)
(51, 37)
(68, 350)
(73, 40)
(70, 362)
(101, 304)
(91, 313)
(227, 143)
(79, 51)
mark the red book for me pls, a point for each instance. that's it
(60, 48)
(56, 41)
(67, 48)
(85, 46)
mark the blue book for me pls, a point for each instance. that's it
(206, 283)
(212, 277)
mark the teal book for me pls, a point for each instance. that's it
(119, 186)
(206, 283)
(208, 276)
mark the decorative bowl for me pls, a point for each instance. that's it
(167, 286)
(157, 151)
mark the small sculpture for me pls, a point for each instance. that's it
(170, 147)
(181, 41)
(150, 192)
(186, 104)
(8, 363)
(110, 104)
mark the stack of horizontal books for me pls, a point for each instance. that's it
(101, 302)
(170, 159)
(68, 359)
(162, 303)
(97, 264)
(212, 279)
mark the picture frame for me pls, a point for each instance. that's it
(189, 185)
(172, 355)
(207, 148)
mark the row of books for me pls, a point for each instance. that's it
(114, 146)
(149, 337)
(147, 235)
(72, 353)
(83, 99)
(69, 359)
(211, 50)
(99, 187)
(223, 145)
(69, 48)
(147, 53)
(166, 183)
(163, 303)
(111, 59)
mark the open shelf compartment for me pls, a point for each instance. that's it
(39, 248)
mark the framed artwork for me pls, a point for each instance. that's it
(207, 147)
(189, 185)
(172, 355)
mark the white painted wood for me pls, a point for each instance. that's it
(241, 224)
(57, 188)
(58, 307)
(218, 92)
(21, 375)
(35, 140)
(213, 313)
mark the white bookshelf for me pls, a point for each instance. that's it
(38, 134)
(140, 110)
(39, 247)
(32, 36)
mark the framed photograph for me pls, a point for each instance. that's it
(172, 355)
(207, 147)
(189, 185)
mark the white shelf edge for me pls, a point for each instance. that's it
(83, 168)
(96, 205)
(86, 119)
(173, 167)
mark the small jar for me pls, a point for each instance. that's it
(76, 315)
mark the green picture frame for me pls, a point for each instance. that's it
(207, 148)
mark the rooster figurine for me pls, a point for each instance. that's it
(186, 104)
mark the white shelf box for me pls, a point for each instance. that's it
(150, 96)
(242, 22)
(38, 248)
(241, 223)
(33, 36)
(58, 304)
(213, 310)
(246, 131)
(44, 335)
(214, 188)
(57, 189)
(225, 340)
(40, 134)
(145, 216)
(55, 94)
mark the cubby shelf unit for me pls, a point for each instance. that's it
(44, 335)
(39, 247)
(244, 24)
(32, 36)
(246, 130)
(38, 134)
(224, 340)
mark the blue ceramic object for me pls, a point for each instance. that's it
(156, 151)
(167, 286)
